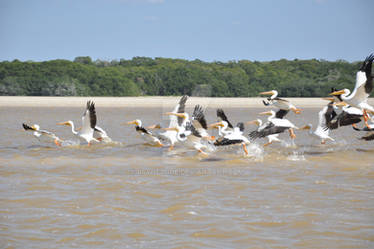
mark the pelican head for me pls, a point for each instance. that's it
(273, 93)
(136, 122)
(68, 123)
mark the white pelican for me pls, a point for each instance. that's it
(177, 118)
(274, 126)
(363, 87)
(146, 134)
(224, 126)
(194, 134)
(322, 130)
(349, 116)
(235, 137)
(88, 124)
(271, 138)
(42, 135)
(282, 104)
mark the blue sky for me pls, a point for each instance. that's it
(214, 30)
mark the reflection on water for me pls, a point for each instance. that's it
(126, 194)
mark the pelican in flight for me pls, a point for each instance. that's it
(178, 119)
(195, 135)
(86, 133)
(274, 126)
(145, 134)
(42, 135)
(271, 138)
(322, 130)
(363, 87)
(229, 135)
(282, 104)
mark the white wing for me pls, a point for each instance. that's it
(359, 93)
(282, 123)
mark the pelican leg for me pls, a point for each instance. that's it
(245, 148)
(57, 142)
(267, 144)
(171, 148)
(296, 110)
(292, 133)
(202, 152)
(355, 126)
(366, 119)
(159, 144)
(323, 141)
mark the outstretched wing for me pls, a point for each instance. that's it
(364, 80)
(89, 118)
(268, 130)
(221, 114)
(198, 118)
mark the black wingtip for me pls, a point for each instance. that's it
(26, 127)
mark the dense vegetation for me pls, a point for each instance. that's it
(161, 76)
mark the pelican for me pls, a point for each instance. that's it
(195, 133)
(271, 138)
(235, 137)
(224, 126)
(146, 134)
(88, 124)
(322, 130)
(42, 135)
(278, 102)
(363, 87)
(349, 116)
(177, 119)
(274, 126)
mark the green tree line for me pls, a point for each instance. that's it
(163, 76)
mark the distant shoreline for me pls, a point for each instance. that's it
(149, 101)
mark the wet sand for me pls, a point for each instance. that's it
(151, 101)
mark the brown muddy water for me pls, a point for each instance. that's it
(129, 195)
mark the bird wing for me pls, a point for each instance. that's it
(268, 130)
(100, 131)
(89, 118)
(281, 113)
(221, 115)
(181, 108)
(364, 81)
(240, 125)
(198, 118)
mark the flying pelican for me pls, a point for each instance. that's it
(235, 137)
(274, 126)
(88, 124)
(271, 138)
(349, 116)
(322, 130)
(224, 126)
(178, 117)
(146, 134)
(282, 104)
(363, 87)
(195, 133)
(42, 135)
(229, 135)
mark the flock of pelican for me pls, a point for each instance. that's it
(193, 133)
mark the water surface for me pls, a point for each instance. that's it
(302, 195)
